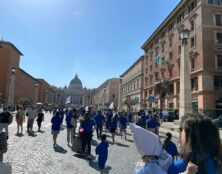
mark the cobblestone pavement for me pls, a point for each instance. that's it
(35, 154)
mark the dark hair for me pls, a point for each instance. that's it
(203, 136)
(167, 140)
(86, 116)
(103, 137)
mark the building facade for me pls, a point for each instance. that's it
(16, 85)
(162, 53)
(106, 94)
(132, 87)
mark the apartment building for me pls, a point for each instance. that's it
(162, 51)
(132, 87)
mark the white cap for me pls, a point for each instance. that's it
(147, 143)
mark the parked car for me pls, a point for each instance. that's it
(170, 116)
(218, 121)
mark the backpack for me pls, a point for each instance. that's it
(5, 117)
(73, 122)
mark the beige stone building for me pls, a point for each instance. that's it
(203, 18)
(107, 93)
(132, 87)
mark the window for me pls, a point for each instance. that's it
(219, 61)
(193, 65)
(179, 49)
(180, 17)
(194, 84)
(162, 48)
(170, 42)
(171, 89)
(170, 55)
(170, 27)
(217, 82)
(192, 25)
(192, 6)
(162, 34)
(113, 96)
(215, 2)
(219, 38)
(218, 20)
(192, 42)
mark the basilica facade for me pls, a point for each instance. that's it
(75, 91)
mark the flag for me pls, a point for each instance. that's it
(87, 108)
(68, 100)
(158, 59)
(111, 105)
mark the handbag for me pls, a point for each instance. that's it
(5, 168)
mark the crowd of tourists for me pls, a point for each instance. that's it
(200, 146)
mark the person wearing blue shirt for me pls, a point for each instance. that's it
(87, 124)
(170, 146)
(144, 119)
(55, 126)
(102, 151)
(99, 119)
(200, 144)
(122, 123)
(112, 128)
(69, 127)
(153, 125)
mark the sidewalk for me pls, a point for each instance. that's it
(174, 129)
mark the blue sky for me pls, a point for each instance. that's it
(97, 39)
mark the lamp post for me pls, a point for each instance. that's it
(11, 88)
(185, 83)
(36, 93)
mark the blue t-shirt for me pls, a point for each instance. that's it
(99, 119)
(68, 120)
(152, 123)
(87, 125)
(122, 122)
(172, 149)
(55, 123)
(177, 167)
(102, 150)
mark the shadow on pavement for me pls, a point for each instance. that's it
(60, 149)
(122, 145)
(41, 131)
(93, 164)
(19, 135)
(131, 141)
(94, 142)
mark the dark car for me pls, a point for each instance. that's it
(218, 121)
(170, 116)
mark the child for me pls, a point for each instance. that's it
(102, 151)
(154, 160)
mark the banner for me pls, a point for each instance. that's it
(68, 100)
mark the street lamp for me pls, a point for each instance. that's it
(185, 83)
(36, 93)
(11, 87)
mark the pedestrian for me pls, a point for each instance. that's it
(170, 146)
(31, 114)
(61, 112)
(144, 119)
(69, 127)
(112, 128)
(56, 120)
(102, 152)
(99, 120)
(5, 119)
(20, 118)
(153, 125)
(122, 123)
(75, 118)
(154, 159)
(87, 125)
(200, 143)
(161, 117)
(40, 118)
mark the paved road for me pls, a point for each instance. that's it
(35, 154)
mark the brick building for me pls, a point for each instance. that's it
(203, 18)
(16, 85)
